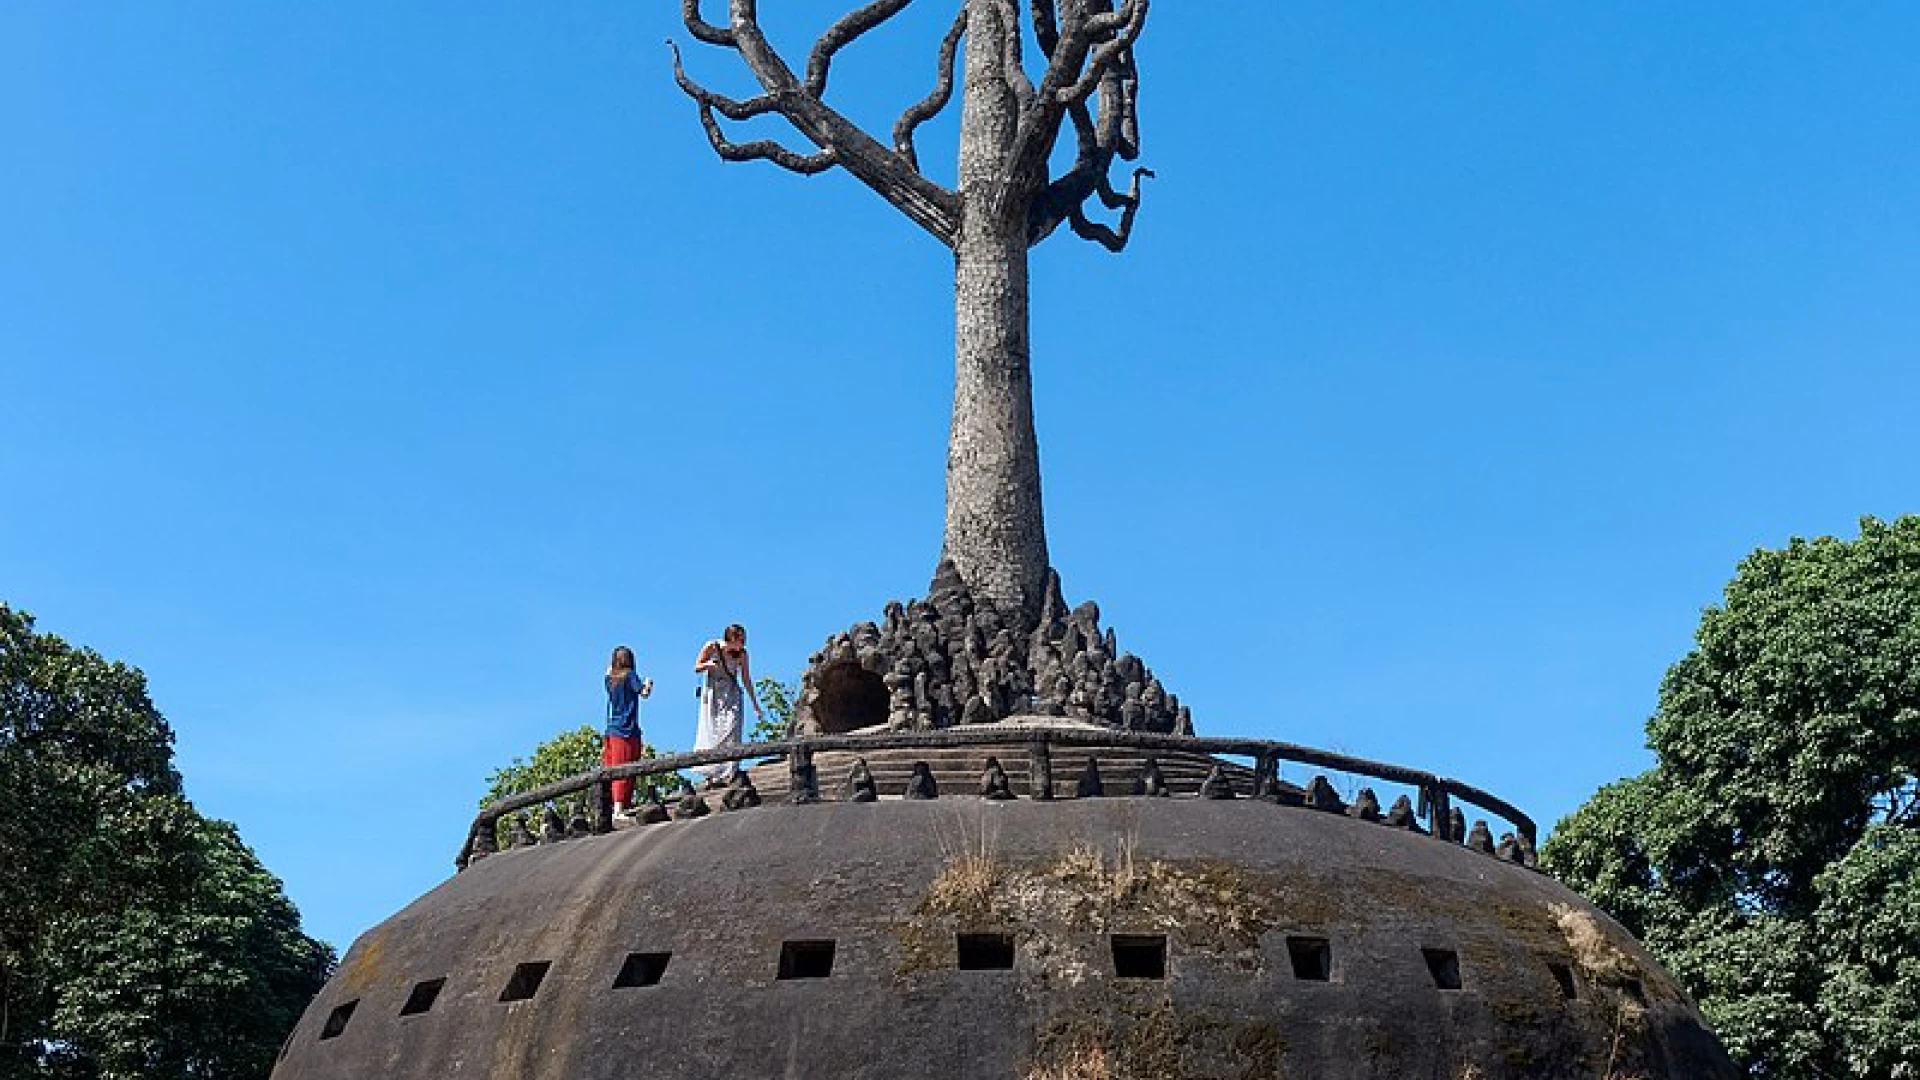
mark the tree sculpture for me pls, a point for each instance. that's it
(1006, 202)
(994, 637)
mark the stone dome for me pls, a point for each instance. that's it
(1076, 939)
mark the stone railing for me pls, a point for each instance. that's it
(1438, 794)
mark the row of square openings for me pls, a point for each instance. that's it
(1135, 956)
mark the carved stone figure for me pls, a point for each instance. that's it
(652, 810)
(1321, 796)
(1216, 785)
(860, 786)
(1150, 782)
(993, 783)
(691, 804)
(1089, 785)
(921, 784)
(740, 794)
(577, 825)
(1481, 838)
(517, 834)
(1401, 815)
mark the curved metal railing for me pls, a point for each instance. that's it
(1437, 793)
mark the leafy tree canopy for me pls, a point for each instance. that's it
(138, 939)
(1771, 858)
(567, 754)
(777, 698)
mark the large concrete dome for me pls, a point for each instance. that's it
(1089, 938)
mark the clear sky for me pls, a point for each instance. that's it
(368, 370)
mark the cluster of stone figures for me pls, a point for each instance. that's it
(955, 658)
(739, 793)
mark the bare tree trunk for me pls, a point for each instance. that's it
(995, 535)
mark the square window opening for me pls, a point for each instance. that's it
(526, 980)
(1140, 956)
(422, 998)
(985, 952)
(1635, 990)
(1312, 958)
(1563, 975)
(1444, 966)
(337, 1020)
(806, 959)
(642, 969)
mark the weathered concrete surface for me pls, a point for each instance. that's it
(1227, 884)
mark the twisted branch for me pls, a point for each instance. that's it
(1090, 80)
(1093, 53)
(892, 175)
(844, 33)
(701, 29)
(1046, 26)
(1124, 26)
(929, 107)
(1091, 83)
(1112, 238)
(759, 149)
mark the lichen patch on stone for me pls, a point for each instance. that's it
(1058, 906)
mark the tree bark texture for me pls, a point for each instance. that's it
(995, 534)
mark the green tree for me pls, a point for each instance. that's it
(777, 698)
(566, 755)
(138, 939)
(1771, 858)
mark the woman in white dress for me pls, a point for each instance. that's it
(726, 667)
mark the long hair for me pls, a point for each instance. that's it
(619, 666)
(734, 630)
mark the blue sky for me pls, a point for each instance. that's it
(369, 370)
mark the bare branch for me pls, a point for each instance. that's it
(1126, 25)
(728, 107)
(844, 33)
(758, 150)
(891, 175)
(1046, 25)
(1013, 63)
(1129, 140)
(929, 107)
(766, 150)
(701, 29)
(1094, 54)
(1113, 239)
(1106, 23)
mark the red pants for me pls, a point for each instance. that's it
(619, 750)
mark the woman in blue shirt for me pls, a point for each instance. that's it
(625, 688)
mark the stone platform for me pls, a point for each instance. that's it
(957, 771)
(1109, 939)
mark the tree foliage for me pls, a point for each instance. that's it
(1771, 858)
(138, 938)
(777, 698)
(568, 754)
